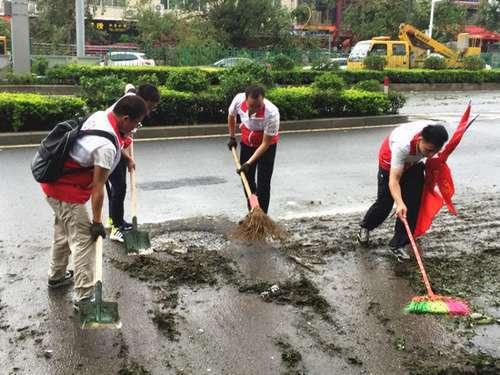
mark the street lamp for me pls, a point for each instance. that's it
(432, 17)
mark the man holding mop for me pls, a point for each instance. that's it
(260, 120)
(91, 158)
(401, 180)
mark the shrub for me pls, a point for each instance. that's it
(397, 101)
(369, 85)
(100, 93)
(435, 63)
(19, 79)
(151, 78)
(194, 82)
(39, 66)
(374, 62)
(329, 81)
(36, 112)
(362, 103)
(236, 79)
(294, 103)
(474, 63)
(281, 62)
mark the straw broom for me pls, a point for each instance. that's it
(256, 226)
(432, 303)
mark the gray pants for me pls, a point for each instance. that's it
(72, 236)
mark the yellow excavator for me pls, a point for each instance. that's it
(410, 51)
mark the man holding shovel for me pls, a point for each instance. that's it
(116, 186)
(260, 120)
(91, 159)
(401, 180)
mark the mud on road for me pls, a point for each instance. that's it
(314, 304)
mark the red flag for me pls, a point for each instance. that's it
(438, 185)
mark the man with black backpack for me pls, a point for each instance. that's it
(91, 157)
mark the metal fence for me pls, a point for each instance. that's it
(492, 59)
(193, 56)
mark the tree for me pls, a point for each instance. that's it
(369, 18)
(249, 23)
(449, 19)
(5, 31)
(489, 15)
(55, 23)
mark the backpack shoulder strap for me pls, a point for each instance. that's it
(101, 133)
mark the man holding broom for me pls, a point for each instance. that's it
(116, 186)
(401, 180)
(91, 159)
(260, 120)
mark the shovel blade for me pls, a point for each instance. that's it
(102, 315)
(135, 241)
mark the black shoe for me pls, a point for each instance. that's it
(66, 280)
(363, 236)
(77, 304)
(399, 253)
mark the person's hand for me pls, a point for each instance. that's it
(232, 143)
(401, 210)
(96, 230)
(244, 168)
(131, 164)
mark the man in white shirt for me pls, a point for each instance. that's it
(91, 160)
(260, 121)
(401, 180)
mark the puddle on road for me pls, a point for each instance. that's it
(181, 182)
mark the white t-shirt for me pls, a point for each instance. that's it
(402, 142)
(93, 150)
(266, 120)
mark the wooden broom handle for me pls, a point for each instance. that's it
(133, 192)
(242, 174)
(417, 256)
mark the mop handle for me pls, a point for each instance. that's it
(242, 174)
(419, 259)
(133, 193)
(98, 259)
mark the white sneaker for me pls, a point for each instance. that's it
(116, 235)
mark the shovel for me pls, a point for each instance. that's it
(136, 242)
(99, 314)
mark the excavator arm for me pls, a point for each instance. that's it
(418, 39)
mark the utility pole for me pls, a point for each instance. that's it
(20, 30)
(80, 28)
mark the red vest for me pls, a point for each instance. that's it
(77, 187)
(253, 138)
(384, 154)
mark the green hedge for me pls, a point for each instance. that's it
(36, 112)
(71, 74)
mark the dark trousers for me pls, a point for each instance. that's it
(264, 168)
(116, 187)
(412, 183)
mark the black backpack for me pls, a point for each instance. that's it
(48, 163)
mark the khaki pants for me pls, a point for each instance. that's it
(72, 236)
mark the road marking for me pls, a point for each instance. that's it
(225, 135)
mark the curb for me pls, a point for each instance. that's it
(34, 138)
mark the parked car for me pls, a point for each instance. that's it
(232, 61)
(126, 59)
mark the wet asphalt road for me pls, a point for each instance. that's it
(315, 173)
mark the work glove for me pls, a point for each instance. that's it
(244, 168)
(96, 230)
(232, 143)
